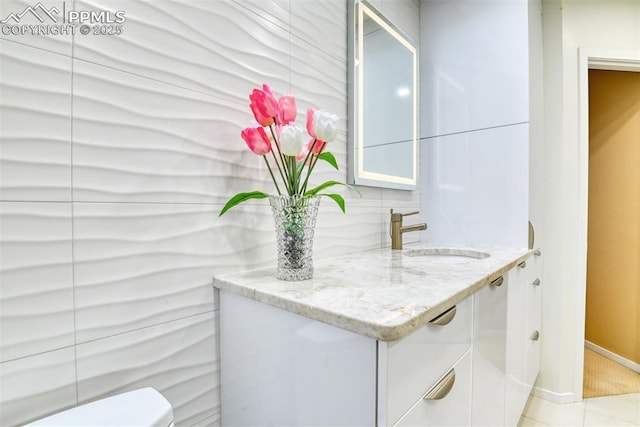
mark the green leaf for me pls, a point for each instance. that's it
(329, 158)
(242, 197)
(321, 187)
(336, 198)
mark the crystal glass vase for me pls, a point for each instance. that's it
(295, 221)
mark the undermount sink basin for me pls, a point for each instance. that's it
(450, 255)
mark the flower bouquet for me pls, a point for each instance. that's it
(290, 160)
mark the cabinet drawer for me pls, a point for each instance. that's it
(452, 410)
(408, 367)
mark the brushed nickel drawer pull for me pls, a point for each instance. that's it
(442, 387)
(498, 282)
(537, 252)
(536, 282)
(535, 336)
(445, 318)
(523, 264)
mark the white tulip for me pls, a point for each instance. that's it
(325, 125)
(291, 140)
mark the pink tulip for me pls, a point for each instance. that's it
(257, 140)
(310, 130)
(264, 106)
(288, 111)
(318, 146)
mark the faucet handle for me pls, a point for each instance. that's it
(396, 216)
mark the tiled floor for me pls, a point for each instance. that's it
(621, 410)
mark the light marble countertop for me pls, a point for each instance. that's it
(382, 294)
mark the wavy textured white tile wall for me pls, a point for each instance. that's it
(36, 278)
(140, 265)
(321, 23)
(35, 124)
(138, 140)
(36, 386)
(215, 47)
(151, 120)
(179, 359)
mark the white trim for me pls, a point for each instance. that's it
(612, 356)
(551, 396)
(603, 60)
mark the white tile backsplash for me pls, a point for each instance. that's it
(35, 124)
(36, 278)
(126, 148)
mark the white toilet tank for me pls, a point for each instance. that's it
(144, 407)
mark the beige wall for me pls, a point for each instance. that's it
(613, 257)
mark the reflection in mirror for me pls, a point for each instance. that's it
(383, 102)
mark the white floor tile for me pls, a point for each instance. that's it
(528, 422)
(621, 408)
(553, 414)
(592, 418)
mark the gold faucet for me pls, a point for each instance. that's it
(397, 229)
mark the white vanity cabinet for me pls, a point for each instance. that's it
(474, 364)
(279, 368)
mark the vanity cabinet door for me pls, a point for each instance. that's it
(409, 367)
(282, 369)
(453, 409)
(516, 393)
(489, 354)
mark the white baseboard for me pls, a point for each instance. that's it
(612, 356)
(552, 396)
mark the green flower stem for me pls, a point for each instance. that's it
(295, 179)
(271, 173)
(283, 161)
(279, 169)
(311, 165)
(304, 162)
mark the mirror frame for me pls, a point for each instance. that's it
(357, 174)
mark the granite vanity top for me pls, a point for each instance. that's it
(382, 294)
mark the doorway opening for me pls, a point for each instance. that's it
(612, 273)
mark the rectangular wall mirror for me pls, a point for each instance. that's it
(383, 101)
